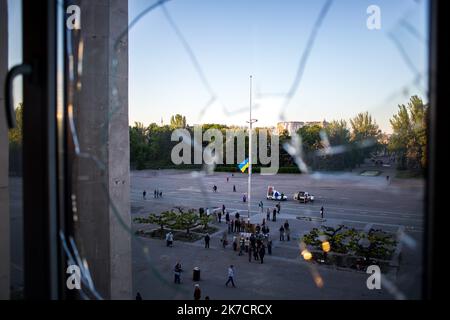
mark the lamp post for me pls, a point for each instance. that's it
(250, 158)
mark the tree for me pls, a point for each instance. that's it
(409, 141)
(186, 220)
(15, 134)
(311, 142)
(165, 219)
(339, 138)
(139, 146)
(205, 220)
(338, 133)
(177, 121)
(365, 134)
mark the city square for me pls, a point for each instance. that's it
(351, 198)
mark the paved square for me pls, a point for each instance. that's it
(348, 198)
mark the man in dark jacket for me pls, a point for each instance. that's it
(262, 253)
(207, 238)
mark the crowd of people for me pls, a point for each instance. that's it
(253, 241)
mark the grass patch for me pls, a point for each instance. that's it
(409, 174)
(177, 235)
(203, 231)
(370, 173)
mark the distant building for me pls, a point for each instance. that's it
(293, 126)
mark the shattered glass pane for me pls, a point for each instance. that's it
(163, 88)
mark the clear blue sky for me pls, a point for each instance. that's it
(351, 69)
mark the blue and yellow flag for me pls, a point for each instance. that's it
(244, 165)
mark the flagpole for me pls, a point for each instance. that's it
(250, 154)
(250, 158)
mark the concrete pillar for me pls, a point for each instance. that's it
(103, 193)
(4, 160)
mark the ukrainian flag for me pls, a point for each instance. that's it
(244, 165)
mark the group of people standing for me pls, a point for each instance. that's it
(255, 246)
(156, 194)
(285, 232)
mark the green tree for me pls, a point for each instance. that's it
(177, 121)
(204, 220)
(409, 141)
(164, 219)
(311, 142)
(186, 220)
(15, 134)
(364, 136)
(139, 147)
(339, 138)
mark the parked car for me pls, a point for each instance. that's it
(303, 196)
(273, 194)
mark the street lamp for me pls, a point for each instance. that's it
(250, 123)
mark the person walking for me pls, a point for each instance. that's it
(207, 238)
(219, 216)
(144, 193)
(321, 213)
(287, 230)
(197, 292)
(230, 276)
(224, 239)
(268, 214)
(252, 240)
(235, 243)
(231, 226)
(247, 244)
(234, 188)
(241, 245)
(262, 253)
(282, 233)
(269, 247)
(169, 239)
(274, 215)
(227, 217)
(278, 207)
(154, 193)
(255, 250)
(261, 205)
(177, 273)
(244, 198)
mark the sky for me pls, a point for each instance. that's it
(350, 69)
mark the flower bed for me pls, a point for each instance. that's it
(351, 248)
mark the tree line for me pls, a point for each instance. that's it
(338, 145)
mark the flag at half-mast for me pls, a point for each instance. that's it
(244, 165)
